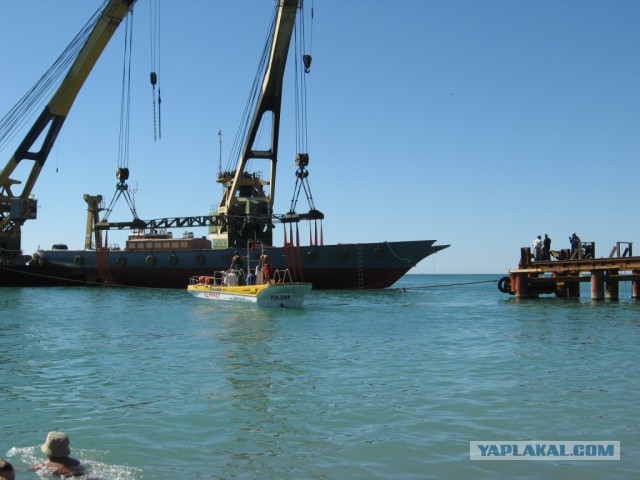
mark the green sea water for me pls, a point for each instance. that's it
(153, 384)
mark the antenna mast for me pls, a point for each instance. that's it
(220, 153)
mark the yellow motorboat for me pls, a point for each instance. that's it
(232, 286)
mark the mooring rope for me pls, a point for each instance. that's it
(86, 283)
(439, 285)
(89, 283)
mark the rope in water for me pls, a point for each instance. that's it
(84, 282)
(439, 285)
(69, 280)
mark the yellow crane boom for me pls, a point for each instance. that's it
(246, 209)
(17, 207)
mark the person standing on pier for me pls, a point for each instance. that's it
(575, 243)
(546, 248)
(537, 248)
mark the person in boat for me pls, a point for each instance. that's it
(237, 268)
(56, 448)
(236, 262)
(265, 264)
(6, 470)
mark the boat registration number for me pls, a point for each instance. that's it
(277, 298)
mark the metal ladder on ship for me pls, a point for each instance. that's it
(102, 265)
(360, 259)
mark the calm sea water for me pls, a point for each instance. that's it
(386, 384)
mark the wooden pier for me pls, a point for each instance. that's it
(563, 277)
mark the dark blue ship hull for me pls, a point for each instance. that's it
(341, 266)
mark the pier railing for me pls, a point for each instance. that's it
(618, 252)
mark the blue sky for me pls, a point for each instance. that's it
(479, 123)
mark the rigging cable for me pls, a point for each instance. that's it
(311, 34)
(236, 147)
(125, 99)
(35, 97)
(307, 58)
(301, 85)
(122, 172)
(301, 71)
(154, 19)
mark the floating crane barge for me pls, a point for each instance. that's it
(563, 277)
(244, 216)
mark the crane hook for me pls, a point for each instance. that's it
(306, 59)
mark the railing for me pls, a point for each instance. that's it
(13, 258)
(220, 278)
(282, 276)
(617, 248)
(586, 250)
(233, 278)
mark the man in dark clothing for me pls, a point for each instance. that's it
(236, 262)
(546, 247)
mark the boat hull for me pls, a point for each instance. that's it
(282, 295)
(341, 266)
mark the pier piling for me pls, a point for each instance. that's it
(635, 286)
(597, 285)
(574, 288)
(611, 290)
